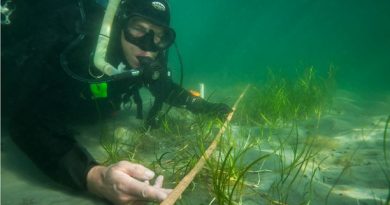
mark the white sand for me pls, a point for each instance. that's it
(349, 140)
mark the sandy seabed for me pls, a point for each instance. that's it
(350, 140)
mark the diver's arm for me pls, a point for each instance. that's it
(36, 123)
(170, 92)
(39, 133)
(165, 90)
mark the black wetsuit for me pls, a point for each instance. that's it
(41, 100)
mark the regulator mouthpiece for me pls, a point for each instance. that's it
(150, 68)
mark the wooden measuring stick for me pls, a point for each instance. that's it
(183, 184)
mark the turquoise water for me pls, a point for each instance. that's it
(243, 38)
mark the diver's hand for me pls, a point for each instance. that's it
(219, 110)
(125, 183)
(201, 106)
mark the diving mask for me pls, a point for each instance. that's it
(139, 32)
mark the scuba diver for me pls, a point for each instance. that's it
(60, 60)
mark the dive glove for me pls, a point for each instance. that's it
(198, 105)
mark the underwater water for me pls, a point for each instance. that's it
(242, 39)
(337, 153)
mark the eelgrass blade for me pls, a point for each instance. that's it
(347, 166)
(243, 173)
(387, 176)
(385, 140)
(223, 183)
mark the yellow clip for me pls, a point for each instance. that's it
(195, 93)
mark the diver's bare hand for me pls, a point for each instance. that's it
(125, 183)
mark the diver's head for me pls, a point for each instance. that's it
(145, 28)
